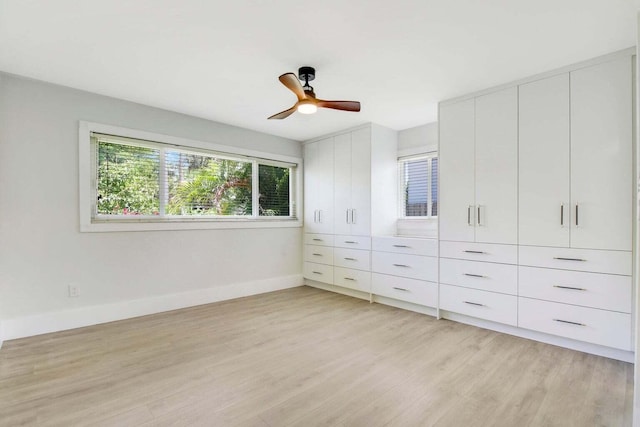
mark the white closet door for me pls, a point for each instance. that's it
(318, 185)
(342, 183)
(497, 167)
(544, 205)
(361, 182)
(456, 163)
(601, 156)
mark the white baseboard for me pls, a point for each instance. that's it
(69, 319)
(1, 333)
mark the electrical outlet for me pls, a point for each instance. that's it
(74, 291)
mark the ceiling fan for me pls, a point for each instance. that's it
(307, 101)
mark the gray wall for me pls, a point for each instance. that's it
(42, 250)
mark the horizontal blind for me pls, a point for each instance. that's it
(275, 187)
(418, 181)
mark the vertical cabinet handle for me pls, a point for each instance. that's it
(353, 216)
(319, 215)
(562, 215)
(479, 223)
(469, 215)
(347, 211)
(577, 222)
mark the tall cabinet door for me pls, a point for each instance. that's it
(318, 176)
(456, 160)
(361, 182)
(497, 167)
(544, 208)
(601, 156)
(342, 183)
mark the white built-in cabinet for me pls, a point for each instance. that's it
(478, 169)
(352, 183)
(575, 163)
(536, 204)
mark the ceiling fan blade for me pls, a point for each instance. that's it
(284, 114)
(340, 105)
(291, 81)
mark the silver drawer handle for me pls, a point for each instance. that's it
(401, 246)
(401, 265)
(475, 252)
(317, 254)
(317, 272)
(569, 287)
(474, 275)
(401, 289)
(473, 303)
(350, 278)
(317, 240)
(350, 259)
(569, 322)
(351, 242)
(559, 258)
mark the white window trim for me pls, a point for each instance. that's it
(401, 201)
(87, 197)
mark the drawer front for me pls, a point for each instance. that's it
(319, 254)
(352, 242)
(604, 291)
(318, 272)
(411, 266)
(602, 327)
(415, 291)
(318, 239)
(405, 245)
(612, 262)
(352, 279)
(486, 276)
(484, 305)
(506, 254)
(352, 258)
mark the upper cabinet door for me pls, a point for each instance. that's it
(601, 156)
(318, 176)
(361, 182)
(342, 183)
(497, 167)
(544, 205)
(456, 162)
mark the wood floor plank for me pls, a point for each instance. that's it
(304, 357)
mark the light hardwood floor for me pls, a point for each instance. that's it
(304, 357)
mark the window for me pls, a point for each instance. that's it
(140, 181)
(418, 178)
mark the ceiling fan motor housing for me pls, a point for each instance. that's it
(306, 74)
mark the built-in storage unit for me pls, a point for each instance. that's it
(405, 269)
(349, 178)
(536, 205)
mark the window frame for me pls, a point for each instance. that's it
(91, 222)
(401, 190)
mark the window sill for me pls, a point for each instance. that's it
(105, 226)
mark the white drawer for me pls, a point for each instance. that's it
(499, 308)
(405, 245)
(486, 276)
(506, 254)
(415, 291)
(318, 272)
(352, 258)
(319, 254)
(353, 242)
(352, 279)
(602, 327)
(412, 266)
(613, 262)
(604, 291)
(318, 239)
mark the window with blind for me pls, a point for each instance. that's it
(418, 179)
(143, 180)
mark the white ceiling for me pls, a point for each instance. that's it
(220, 59)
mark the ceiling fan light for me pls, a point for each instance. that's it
(307, 108)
